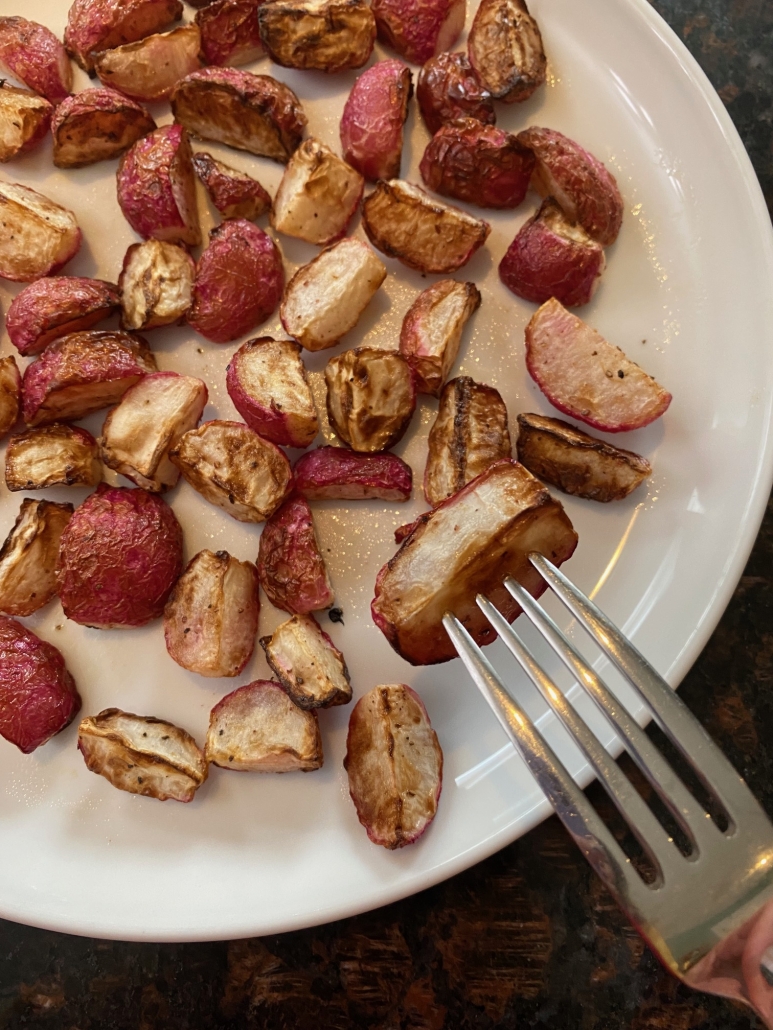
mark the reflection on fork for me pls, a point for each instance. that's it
(707, 913)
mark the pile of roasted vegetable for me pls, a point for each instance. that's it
(117, 559)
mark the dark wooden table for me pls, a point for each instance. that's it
(527, 938)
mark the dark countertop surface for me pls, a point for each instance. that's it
(526, 939)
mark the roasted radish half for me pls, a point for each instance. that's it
(395, 765)
(230, 33)
(371, 397)
(33, 55)
(586, 377)
(326, 35)
(308, 664)
(290, 564)
(147, 423)
(267, 382)
(142, 755)
(585, 189)
(418, 31)
(211, 619)
(10, 393)
(577, 463)
(157, 187)
(467, 546)
(24, 121)
(552, 257)
(505, 48)
(55, 455)
(155, 284)
(336, 473)
(373, 119)
(96, 25)
(235, 469)
(120, 556)
(239, 281)
(249, 112)
(55, 306)
(258, 728)
(469, 434)
(81, 373)
(38, 696)
(235, 194)
(448, 89)
(28, 556)
(477, 163)
(432, 331)
(403, 221)
(318, 194)
(38, 236)
(97, 125)
(150, 68)
(325, 298)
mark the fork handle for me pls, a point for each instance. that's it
(736, 967)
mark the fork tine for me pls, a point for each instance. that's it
(669, 711)
(648, 831)
(680, 802)
(569, 803)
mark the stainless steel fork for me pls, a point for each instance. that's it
(708, 916)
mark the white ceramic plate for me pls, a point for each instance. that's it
(687, 295)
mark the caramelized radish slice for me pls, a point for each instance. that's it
(586, 377)
(432, 331)
(467, 546)
(258, 728)
(395, 765)
(576, 462)
(211, 618)
(56, 455)
(235, 469)
(38, 236)
(28, 556)
(469, 434)
(147, 423)
(308, 664)
(142, 755)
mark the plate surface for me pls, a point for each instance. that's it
(686, 294)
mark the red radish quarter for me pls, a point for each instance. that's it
(83, 372)
(120, 556)
(290, 564)
(336, 473)
(448, 89)
(38, 696)
(239, 281)
(477, 163)
(552, 257)
(419, 30)
(584, 188)
(586, 377)
(157, 187)
(55, 306)
(32, 53)
(96, 25)
(268, 384)
(373, 118)
(230, 33)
